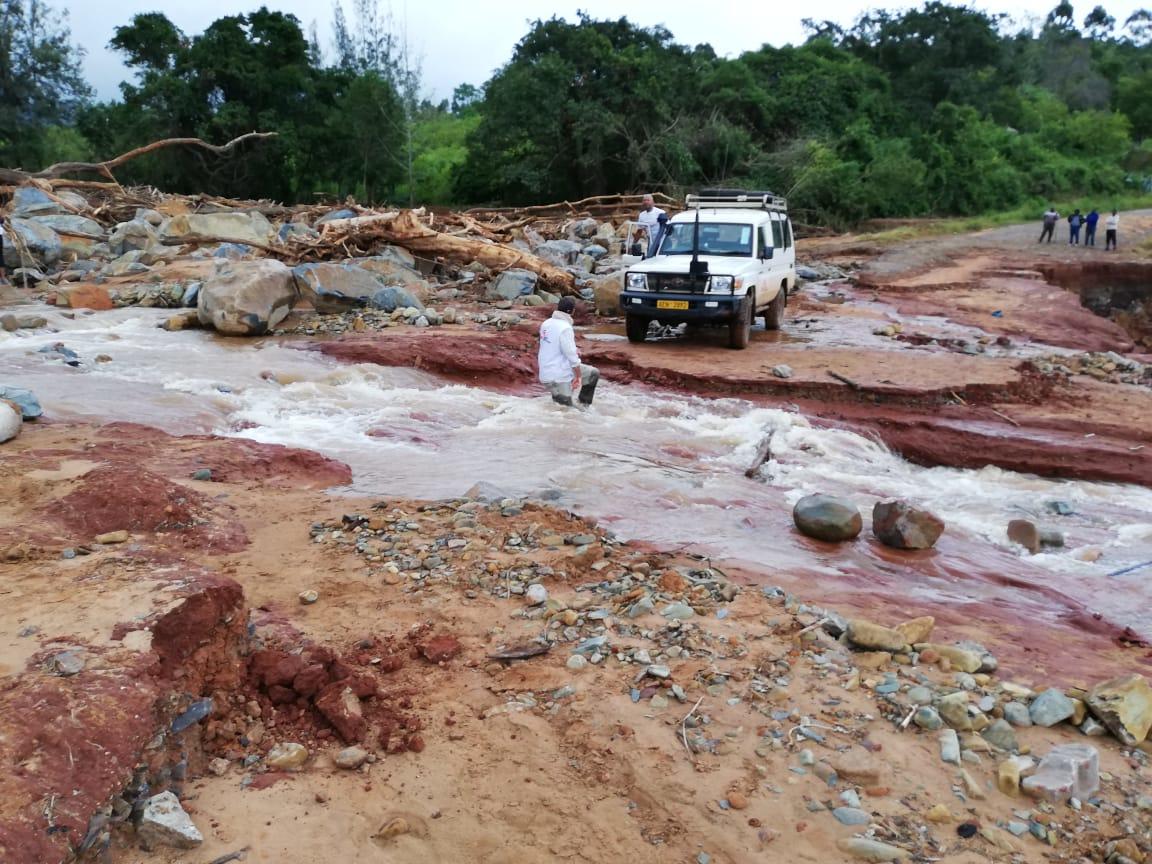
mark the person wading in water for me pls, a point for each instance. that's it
(559, 362)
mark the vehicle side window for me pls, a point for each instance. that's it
(787, 233)
(777, 235)
(764, 242)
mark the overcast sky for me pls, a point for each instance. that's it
(465, 41)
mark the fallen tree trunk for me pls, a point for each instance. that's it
(405, 229)
(60, 169)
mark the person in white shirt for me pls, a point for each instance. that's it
(559, 362)
(649, 220)
(1111, 226)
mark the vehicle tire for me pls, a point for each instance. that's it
(774, 314)
(740, 327)
(636, 328)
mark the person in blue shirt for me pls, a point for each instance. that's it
(1090, 227)
(1074, 223)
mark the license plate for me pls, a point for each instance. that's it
(671, 304)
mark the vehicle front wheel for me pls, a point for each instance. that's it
(636, 327)
(740, 327)
(774, 314)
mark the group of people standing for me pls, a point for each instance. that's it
(1078, 220)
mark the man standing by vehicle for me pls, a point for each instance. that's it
(649, 220)
(559, 362)
(1051, 217)
(1111, 226)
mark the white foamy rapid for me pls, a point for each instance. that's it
(659, 467)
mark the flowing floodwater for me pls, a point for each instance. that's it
(658, 467)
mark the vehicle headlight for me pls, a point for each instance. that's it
(720, 283)
(637, 282)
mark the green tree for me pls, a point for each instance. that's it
(40, 82)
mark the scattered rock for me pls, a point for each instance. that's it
(874, 637)
(927, 718)
(961, 659)
(218, 767)
(112, 537)
(917, 630)
(1001, 735)
(902, 526)
(307, 598)
(68, 663)
(1024, 533)
(1017, 714)
(871, 850)
(857, 767)
(1050, 707)
(11, 421)
(164, 823)
(1124, 706)
(577, 662)
(26, 400)
(287, 756)
(536, 594)
(252, 228)
(737, 801)
(783, 370)
(340, 706)
(351, 758)
(949, 746)
(824, 517)
(851, 816)
(1068, 771)
(441, 649)
(512, 284)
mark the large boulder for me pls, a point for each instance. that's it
(233, 227)
(824, 517)
(393, 297)
(11, 421)
(247, 298)
(25, 399)
(559, 252)
(31, 201)
(43, 244)
(137, 235)
(78, 234)
(512, 284)
(1124, 706)
(392, 270)
(606, 292)
(333, 287)
(901, 526)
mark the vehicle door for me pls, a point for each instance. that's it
(788, 258)
(762, 278)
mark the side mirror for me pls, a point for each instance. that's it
(766, 253)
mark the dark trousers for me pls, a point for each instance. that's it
(1109, 238)
(1089, 234)
(1046, 231)
(1073, 235)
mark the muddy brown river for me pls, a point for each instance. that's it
(659, 468)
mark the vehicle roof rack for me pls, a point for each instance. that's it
(727, 199)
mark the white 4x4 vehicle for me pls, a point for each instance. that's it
(725, 260)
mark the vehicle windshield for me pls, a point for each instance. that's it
(716, 238)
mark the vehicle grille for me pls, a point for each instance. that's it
(676, 283)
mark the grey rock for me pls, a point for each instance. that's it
(351, 758)
(42, 243)
(1000, 734)
(232, 251)
(191, 295)
(1051, 707)
(229, 227)
(949, 746)
(31, 201)
(927, 717)
(512, 284)
(782, 370)
(920, 696)
(807, 273)
(70, 224)
(1017, 714)
(134, 236)
(851, 816)
(25, 399)
(871, 850)
(247, 298)
(68, 663)
(1051, 537)
(824, 517)
(678, 611)
(1093, 728)
(901, 526)
(585, 229)
(152, 217)
(595, 251)
(164, 823)
(559, 251)
(333, 288)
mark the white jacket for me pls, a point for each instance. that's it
(558, 356)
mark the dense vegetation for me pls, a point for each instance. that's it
(939, 110)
